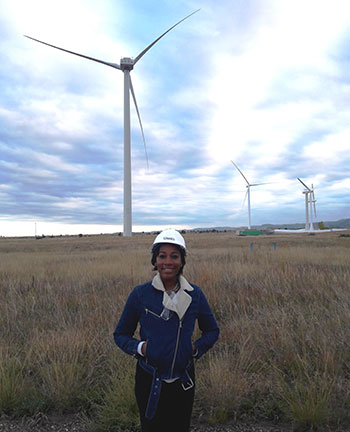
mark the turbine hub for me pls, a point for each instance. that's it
(126, 63)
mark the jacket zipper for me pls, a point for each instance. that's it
(152, 313)
(176, 348)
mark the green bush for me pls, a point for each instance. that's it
(117, 411)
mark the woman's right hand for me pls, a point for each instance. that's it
(143, 349)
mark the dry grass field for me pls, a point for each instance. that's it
(284, 313)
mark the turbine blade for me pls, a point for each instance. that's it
(138, 115)
(241, 173)
(113, 65)
(303, 184)
(259, 184)
(142, 53)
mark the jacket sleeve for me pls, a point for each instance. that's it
(124, 332)
(207, 325)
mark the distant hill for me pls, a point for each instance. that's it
(341, 223)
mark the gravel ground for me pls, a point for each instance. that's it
(74, 423)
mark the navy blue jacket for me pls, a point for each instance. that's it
(169, 349)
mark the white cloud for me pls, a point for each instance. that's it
(331, 147)
(73, 203)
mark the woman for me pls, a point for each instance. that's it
(166, 309)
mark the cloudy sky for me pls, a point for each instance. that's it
(265, 83)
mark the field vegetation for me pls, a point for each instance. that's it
(282, 303)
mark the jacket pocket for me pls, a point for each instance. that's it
(160, 335)
(153, 321)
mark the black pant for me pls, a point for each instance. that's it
(174, 406)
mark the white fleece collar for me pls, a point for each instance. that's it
(181, 300)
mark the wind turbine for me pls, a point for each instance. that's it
(126, 65)
(249, 185)
(310, 205)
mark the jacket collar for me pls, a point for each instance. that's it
(158, 284)
(181, 301)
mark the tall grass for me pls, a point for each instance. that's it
(283, 353)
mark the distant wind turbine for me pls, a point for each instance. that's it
(310, 205)
(249, 185)
(126, 65)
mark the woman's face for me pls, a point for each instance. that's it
(168, 262)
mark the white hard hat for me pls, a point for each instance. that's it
(170, 236)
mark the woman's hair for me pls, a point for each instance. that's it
(155, 253)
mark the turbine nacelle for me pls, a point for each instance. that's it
(127, 63)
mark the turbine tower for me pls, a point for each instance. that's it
(310, 205)
(249, 185)
(126, 66)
